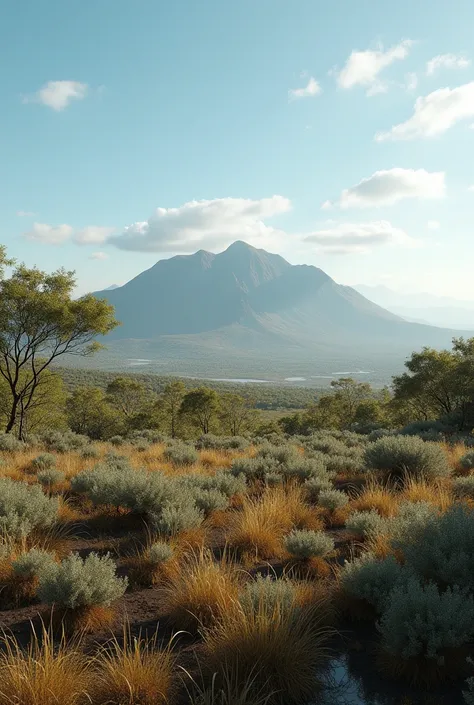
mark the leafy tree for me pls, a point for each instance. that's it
(201, 406)
(132, 399)
(439, 383)
(349, 394)
(39, 322)
(47, 409)
(236, 414)
(171, 400)
(90, 414)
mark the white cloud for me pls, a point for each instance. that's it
(58, 94)
(205, 224)
(386, 187)
(363, 68)
(25, 214)
(470, 188)
(446, 61)
(312, 88)
(59, 234)
(433, 225)
(49, 234)
(92, 235)
(347, 238)
(434, 114)
(99, 256)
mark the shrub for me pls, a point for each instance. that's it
(411, 518)
(176, 515)
(407, 455)
(421, 428)
(211, 442)
(77, 582)
(420, 625)
(45, 461)
(254, 468)
(90, 452)
(369, 579)
(24, 509)
(304, 544)
(345, 464)
(469, 693)
(315, 485)
(442, 549)
(10, 444)
(209, 501)
(280, 455)
(467, 461)
(463, 487)
(304, 469)
(332, 499)
(64, 442)
(223, 481)
(117, 440)
(50, 477)
(379, 433)
(160, 552)
(33, 563)
(366, 524)
(268, 595)
(180, 454)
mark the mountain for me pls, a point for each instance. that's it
(248, 310)
(442, 311)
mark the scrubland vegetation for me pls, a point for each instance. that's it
(174, 549)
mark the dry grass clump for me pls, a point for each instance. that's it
(378, 497)
(45, 673)
(283, 650)
(134, 672)
(201, 592)
(436, 493)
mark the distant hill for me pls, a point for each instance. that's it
(442, 311)
(247, 309)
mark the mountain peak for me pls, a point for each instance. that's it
(240, 246)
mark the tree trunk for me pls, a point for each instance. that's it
(12, 418)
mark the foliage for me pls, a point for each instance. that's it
(332, 499)
(160, 552)
(32, 563)
(411, 518)
(463, 487)
(90, 414)
(131, 399)
(467, 461)
(24, 509)
(201, 407)
(315, 485)
(181, 454)
(303, 544)
(369, 579)
(45, 461)
(39, 322)
(210, 500)
(268, 595)
(236, 414)
(421, 621)
(366, 523)
(77, 582)
(64, 442)
(210, 441)
(407, 455)
(10, 444)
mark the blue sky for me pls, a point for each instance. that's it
(335, 133)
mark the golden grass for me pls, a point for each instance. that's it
(43, 674)
(421, 491)
(201, 592)
(82, 620)
(378, 497)
(287, 646)
(134, 672)
(227, 690)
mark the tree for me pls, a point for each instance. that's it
(171, 400)
(132, 399)
(439, 383)
(236, 413)
(201, 406)
(349, 394)
(39, 322)
(90, 414)
(47, 409)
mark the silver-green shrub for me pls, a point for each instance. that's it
(467, 461)
(45, 461)
(90, 452)
(303, 544)
(50, 477)
(160, 552)
(267, 594)
(366, 523)
(401, 456)
(33, 563)
(410, 519)
(345, 463)
(280, 455)
(24, 508)
(209, 501)
(463, 487)
(372, 580)
(64, 442)
(442, 550)
(419, 620)
(315, 485)
(211, 442)
(176, 515)
(77, 582)
(10, 444)
(332, 499)
(181, 454)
